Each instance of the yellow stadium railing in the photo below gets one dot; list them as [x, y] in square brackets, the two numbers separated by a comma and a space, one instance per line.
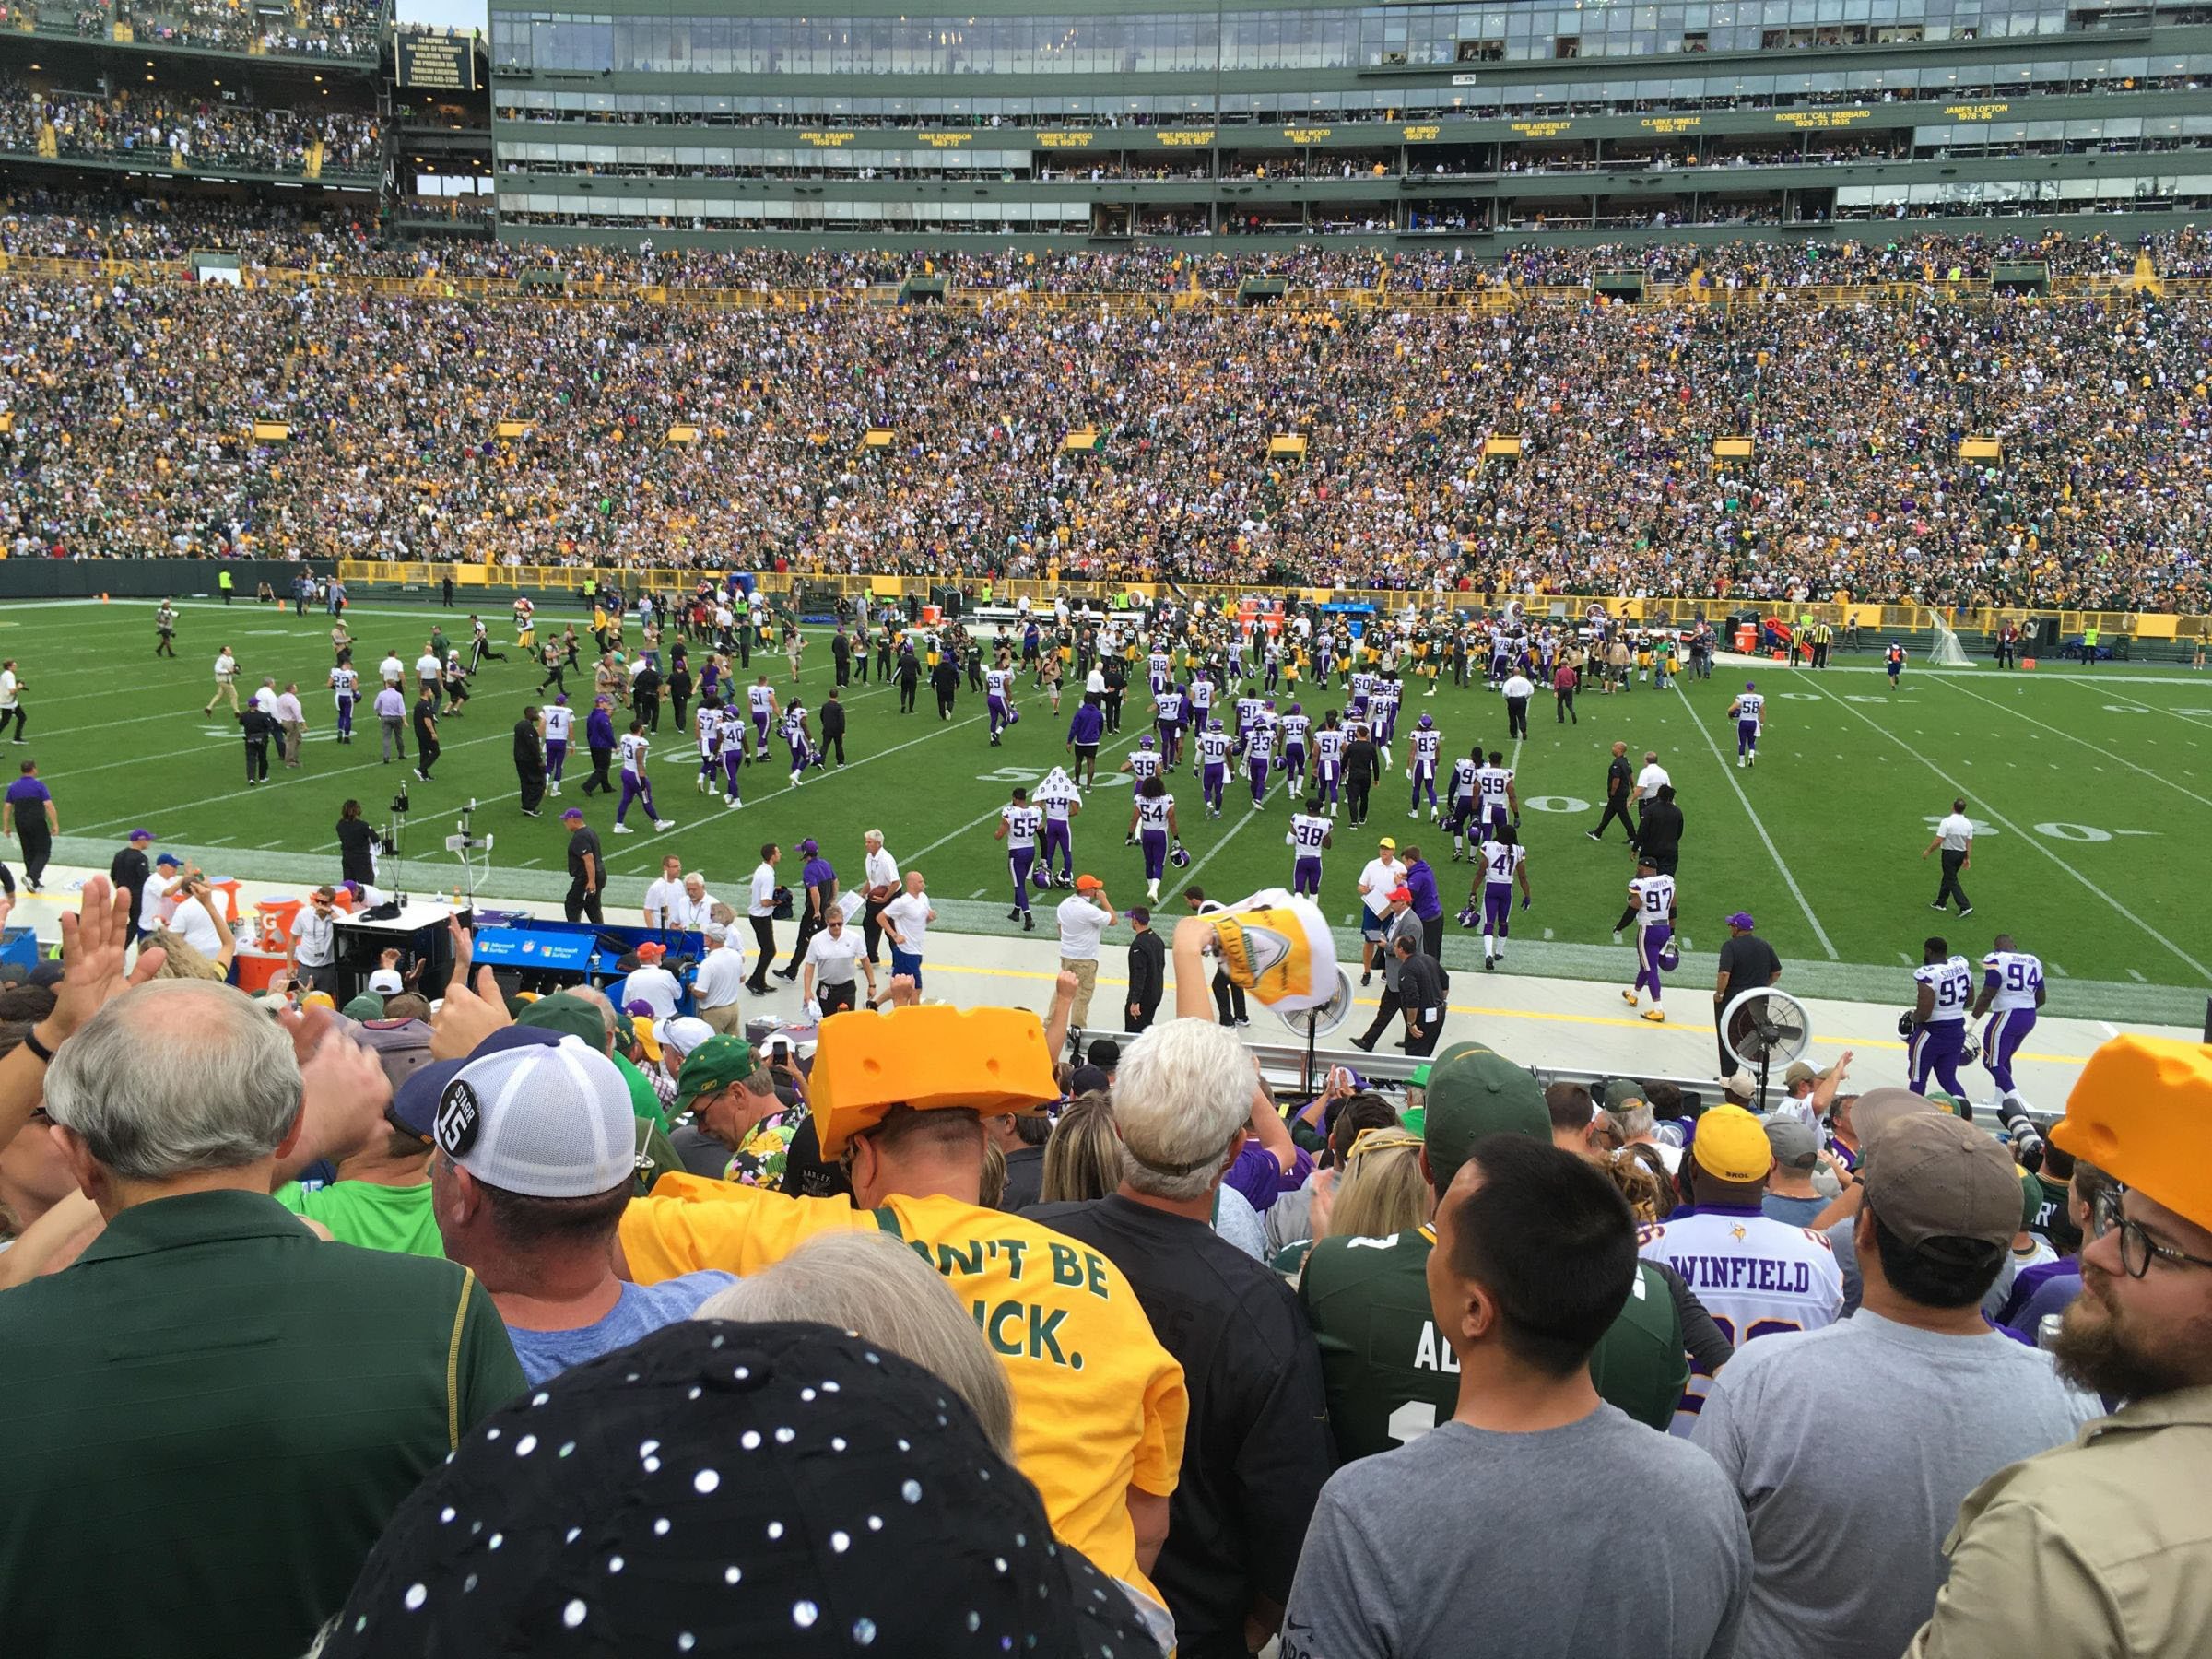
[1837, 612]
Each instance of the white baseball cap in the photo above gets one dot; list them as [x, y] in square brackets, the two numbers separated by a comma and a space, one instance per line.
[685, 1033]
[385, 981]
[544, 1120]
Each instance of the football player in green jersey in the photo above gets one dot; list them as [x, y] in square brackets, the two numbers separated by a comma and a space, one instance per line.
[1391, 1375]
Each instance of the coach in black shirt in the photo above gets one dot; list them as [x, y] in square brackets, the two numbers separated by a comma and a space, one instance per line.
[530, 760]
[1147, 971]
[1256, 1449]
[130, 872]
[1360, 765]
[1747, 963]
[1619, 781]
[832, 716]
[1662, 837]
[945, 680]
[587, 870]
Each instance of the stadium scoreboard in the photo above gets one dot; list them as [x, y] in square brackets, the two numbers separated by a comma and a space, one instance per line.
[441, 62]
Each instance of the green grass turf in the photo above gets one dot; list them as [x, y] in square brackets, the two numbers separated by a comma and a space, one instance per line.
[2092, 788]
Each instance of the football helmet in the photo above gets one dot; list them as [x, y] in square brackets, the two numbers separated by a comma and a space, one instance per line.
[1177, 857]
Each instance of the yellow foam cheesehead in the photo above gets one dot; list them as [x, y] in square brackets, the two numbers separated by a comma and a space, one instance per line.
[2139, 1112]
[991, 1060]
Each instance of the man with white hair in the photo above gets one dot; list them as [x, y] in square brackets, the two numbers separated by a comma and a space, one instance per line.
[717, 982]
[878, 887]
[166, 1367]
[1257, 1451]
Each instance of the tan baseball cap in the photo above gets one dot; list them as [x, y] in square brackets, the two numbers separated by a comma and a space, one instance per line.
[1934, 1176]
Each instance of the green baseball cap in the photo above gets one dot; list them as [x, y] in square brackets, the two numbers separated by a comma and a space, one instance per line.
[714, 1064]
[567, 1016]
[1473, 1093]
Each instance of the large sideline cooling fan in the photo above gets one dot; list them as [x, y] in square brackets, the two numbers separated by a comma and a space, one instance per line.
[1764, 1027]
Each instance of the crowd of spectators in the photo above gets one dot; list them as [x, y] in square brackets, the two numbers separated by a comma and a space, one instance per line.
[405, 1325]
[158, 125]
[1856, 411]
[320, 28]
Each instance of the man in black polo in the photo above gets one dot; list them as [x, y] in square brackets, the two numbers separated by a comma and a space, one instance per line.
[1256, 1449]
[1747, 963]
[1661, 840]
[1620, 780]
[587, 870]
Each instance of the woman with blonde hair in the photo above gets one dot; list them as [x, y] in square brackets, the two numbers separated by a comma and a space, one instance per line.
[1382, 1189]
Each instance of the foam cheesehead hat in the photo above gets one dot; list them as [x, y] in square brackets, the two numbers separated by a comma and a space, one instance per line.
[1472, 1092]
[2139, 1111]
[991, 1061]
[1278, 947]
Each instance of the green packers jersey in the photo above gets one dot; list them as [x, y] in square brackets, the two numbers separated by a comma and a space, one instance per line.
[1391, 1375]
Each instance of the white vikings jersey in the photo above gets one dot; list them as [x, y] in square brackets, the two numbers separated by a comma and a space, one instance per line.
[1202, 695]
[1307, 832]
[1757, 1277]
[1654, 899]
[1295, 728]
[1145, 763]
[560, 720]
[794, 723]
[1463, 780]
[733, 733]
[633, 747]
[1953, 983]
[1021, 825]
[1170, 708]
[1248, 710]
[1152, 811]
[1328, 745]
[997, 681]
[1259, 741]
[1213, 748]
[707, 723]
[1057, 803]
[1501, 862]
[2015, 976]
[1426, 747]
[1491, 783]
[1749, 705]
[761, 700]
[346, 683]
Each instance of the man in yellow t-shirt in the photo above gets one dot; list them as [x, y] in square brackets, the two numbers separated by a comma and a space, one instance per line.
[1099, 1405]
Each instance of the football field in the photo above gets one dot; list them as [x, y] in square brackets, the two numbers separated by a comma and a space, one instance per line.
[2091, 791]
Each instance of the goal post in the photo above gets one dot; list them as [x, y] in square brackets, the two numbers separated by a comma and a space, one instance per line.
[1946, 652]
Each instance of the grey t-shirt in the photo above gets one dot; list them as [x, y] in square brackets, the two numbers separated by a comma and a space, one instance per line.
[1467, 1540]
[1851, 1449]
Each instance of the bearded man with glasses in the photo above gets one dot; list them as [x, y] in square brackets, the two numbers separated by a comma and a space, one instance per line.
[2104, 1547]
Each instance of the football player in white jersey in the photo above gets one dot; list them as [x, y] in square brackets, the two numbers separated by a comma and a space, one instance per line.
[1018, 822]
[636, 785]
[1427, 748]
[558, 722]
[346, 681]
[1747, 710]
[1503, 862]
[1756, 1276]
[799, 738]
[1328, 762]
[1152, 827]
[1459, 815]
[1309, 837]
[1499, 801]
[1936, 1028]
[707, 722]
[760, 701]
[1652, 903]
[2011, 994]
[731, 749]
[1144, 760]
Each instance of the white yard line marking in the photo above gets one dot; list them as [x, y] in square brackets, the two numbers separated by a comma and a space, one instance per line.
[2069, 737]
[2136, 702]
[1190, 876]
[1773, 852]
[2034, 842]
